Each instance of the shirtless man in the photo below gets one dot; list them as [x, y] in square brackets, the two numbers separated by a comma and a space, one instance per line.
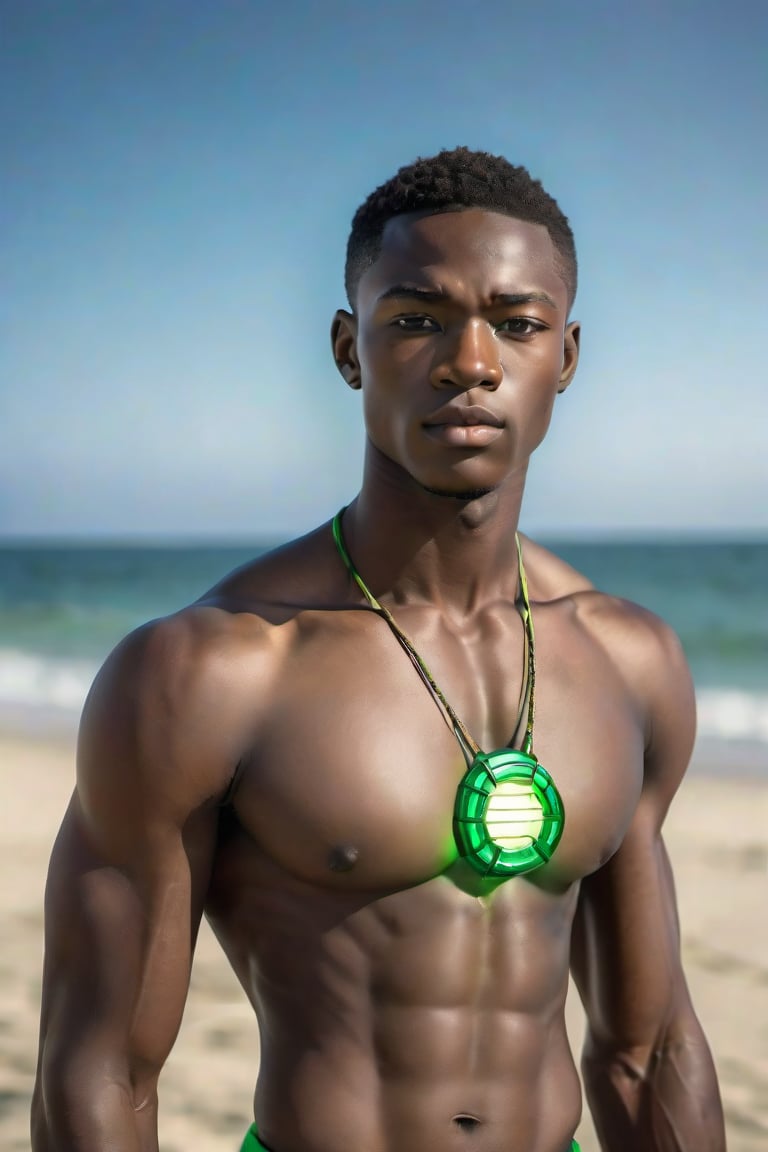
[274, 757]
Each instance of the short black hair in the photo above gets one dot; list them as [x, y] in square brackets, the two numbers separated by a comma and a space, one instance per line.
[450, 181]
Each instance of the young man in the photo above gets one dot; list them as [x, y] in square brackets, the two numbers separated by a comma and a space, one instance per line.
[409, 773]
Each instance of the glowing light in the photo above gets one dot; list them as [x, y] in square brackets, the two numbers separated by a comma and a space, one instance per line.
[514, 816]
[508, 817]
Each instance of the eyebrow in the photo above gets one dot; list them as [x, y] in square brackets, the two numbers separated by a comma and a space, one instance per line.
[411, 292]
[434, 295]
[511, 299]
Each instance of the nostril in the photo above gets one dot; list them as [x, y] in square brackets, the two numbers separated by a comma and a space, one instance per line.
[465, 385]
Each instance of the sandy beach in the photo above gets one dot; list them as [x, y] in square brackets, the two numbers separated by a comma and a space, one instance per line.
[716, 835]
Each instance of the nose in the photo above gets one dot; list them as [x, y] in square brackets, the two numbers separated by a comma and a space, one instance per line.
[469, 358]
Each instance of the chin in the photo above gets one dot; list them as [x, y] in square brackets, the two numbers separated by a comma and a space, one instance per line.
[464, 494]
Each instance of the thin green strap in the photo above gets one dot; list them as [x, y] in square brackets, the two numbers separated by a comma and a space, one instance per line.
[527, 616]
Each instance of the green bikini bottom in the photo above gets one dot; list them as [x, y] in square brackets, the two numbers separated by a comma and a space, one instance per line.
[253, 1144]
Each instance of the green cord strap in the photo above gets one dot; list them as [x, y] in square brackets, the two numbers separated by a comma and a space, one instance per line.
[527, 615]
[529, 674]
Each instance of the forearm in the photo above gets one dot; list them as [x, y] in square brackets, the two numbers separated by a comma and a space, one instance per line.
[79, 1106]
[118, 957]
[664, 1100]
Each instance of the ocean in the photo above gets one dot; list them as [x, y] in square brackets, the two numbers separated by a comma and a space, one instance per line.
[64, 606]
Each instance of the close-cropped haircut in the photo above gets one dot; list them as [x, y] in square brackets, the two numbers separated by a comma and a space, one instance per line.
[450, 181]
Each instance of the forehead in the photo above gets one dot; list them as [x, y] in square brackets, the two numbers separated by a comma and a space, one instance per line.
[471, 249]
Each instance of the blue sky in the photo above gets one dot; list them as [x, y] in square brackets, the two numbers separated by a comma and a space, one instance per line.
[178, 180]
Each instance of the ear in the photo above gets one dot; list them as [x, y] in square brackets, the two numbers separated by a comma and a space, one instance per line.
[344, 345]
[570, 354]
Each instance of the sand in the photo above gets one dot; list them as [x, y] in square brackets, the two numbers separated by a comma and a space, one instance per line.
[716, 835]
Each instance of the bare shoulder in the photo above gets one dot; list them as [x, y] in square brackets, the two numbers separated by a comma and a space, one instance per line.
[178, 703]
[644, 651]
[160, 726]
[299, 576]
[640, 643]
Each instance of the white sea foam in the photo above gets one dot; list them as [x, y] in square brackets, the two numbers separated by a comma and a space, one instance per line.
[30, 680]
[733, 714]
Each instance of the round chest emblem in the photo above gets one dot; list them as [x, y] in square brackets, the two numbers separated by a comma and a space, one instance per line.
[508, 817]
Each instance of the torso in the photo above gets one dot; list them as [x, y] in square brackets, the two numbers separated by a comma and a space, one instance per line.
[401, 996]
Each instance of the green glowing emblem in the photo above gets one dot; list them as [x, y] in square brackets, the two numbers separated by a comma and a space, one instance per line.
[508, 817]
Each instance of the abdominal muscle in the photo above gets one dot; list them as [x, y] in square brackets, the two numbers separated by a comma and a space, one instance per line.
[424, 1019]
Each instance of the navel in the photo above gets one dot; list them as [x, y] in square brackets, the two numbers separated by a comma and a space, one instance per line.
[343, 857]
[466, 1122]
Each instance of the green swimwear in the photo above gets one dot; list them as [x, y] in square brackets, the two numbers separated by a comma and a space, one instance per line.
[253, 1144]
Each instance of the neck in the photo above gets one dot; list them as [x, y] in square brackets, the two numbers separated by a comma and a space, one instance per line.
[410, 544]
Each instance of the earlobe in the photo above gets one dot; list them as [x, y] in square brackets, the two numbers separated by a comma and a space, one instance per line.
[570, 355]
[344, 347]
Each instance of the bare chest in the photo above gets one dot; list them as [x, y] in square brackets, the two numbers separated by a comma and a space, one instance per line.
[354, 777]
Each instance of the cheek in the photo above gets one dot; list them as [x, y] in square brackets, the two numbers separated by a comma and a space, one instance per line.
[533, 389]
[383, 415]
[395, 382]
[538, 418]
[535, 378]
[387, 360]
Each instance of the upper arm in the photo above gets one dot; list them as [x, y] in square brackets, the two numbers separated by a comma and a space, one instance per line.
[129, 873]
[626, 945]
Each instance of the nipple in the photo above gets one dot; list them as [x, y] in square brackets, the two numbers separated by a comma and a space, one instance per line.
[342, 857]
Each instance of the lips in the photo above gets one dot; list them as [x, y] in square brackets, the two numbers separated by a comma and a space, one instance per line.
[468, 428]
[469, 416]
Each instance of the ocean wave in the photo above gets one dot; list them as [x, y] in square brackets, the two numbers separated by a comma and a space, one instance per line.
[33, 680]
[732, 714]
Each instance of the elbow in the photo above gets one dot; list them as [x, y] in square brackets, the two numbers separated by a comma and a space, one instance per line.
[668, 1088]
[679, 1053]
[54, 1099]
[65, 1094]
[634, 1050]
[634, 1060]
[625, 1062]
[59, 1107]
[39, 1131]
[80, 1101]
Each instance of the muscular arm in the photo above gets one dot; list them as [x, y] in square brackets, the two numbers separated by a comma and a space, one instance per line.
[648, 1071]
[124, 897]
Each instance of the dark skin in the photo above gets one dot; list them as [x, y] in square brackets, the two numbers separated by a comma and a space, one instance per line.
[405, 1004]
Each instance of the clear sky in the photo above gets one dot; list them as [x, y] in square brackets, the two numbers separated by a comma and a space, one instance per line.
[177, 183]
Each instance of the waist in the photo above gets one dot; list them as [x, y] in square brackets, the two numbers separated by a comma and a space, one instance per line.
[251, 1143]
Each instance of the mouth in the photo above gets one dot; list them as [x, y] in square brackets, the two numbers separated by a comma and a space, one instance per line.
[471, 416]
[470, 427]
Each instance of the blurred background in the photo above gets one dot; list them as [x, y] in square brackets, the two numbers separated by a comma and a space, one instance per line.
[177, 180]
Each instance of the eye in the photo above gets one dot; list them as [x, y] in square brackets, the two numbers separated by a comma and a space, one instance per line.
[416, 323]
[520, 326]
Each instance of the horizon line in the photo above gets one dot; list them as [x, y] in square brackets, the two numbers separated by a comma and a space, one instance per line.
[570, 535]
